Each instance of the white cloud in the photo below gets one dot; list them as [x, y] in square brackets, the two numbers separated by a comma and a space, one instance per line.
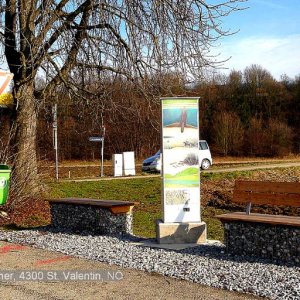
[279, 55]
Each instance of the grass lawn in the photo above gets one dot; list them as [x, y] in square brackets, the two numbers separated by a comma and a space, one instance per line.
[146, 191]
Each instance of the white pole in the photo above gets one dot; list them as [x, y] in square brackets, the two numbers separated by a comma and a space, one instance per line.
[101, 172]
[102, 151]
[55, 139]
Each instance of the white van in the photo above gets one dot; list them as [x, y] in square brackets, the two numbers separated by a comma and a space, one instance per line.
[205, 158]
[153, 163]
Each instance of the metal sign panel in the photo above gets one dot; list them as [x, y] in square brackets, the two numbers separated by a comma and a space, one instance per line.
[96, 139]
[180, 155]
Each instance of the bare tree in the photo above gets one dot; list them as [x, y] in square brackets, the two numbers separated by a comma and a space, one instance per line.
[128, 38]
[228, 133]
[279, 136]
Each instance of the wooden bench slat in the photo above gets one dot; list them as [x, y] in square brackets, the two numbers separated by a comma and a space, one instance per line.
[261, 218]
[266, 198]
[115, 206]
[268, 186]
[96, 202]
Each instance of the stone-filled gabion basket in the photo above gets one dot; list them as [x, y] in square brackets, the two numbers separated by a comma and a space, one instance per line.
[95, 220]
[276, 242]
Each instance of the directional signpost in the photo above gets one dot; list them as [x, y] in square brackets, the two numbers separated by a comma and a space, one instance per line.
[96, 139]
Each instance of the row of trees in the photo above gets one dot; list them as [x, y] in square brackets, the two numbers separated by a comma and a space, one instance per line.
[260, 138]
[245, 113]
[251, 113]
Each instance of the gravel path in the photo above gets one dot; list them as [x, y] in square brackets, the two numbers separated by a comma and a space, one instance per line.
[205, 264]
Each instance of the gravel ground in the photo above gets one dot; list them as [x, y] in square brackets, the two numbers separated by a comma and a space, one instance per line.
[205, 264]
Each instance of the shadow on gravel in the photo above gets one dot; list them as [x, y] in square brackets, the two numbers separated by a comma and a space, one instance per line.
[219, 252]
[211, 251]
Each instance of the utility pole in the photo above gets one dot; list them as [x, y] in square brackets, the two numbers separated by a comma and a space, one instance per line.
[55, 144]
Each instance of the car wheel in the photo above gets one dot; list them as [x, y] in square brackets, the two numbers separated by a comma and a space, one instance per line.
[205, 164]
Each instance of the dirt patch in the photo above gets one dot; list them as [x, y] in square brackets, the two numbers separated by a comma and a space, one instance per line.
[237, 160]
[29, 213]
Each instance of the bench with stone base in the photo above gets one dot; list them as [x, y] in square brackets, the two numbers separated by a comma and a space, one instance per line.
[274, 237]
[92, 215]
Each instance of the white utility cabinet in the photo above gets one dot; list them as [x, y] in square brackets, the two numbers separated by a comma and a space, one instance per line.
[128, 163]
[118, 164]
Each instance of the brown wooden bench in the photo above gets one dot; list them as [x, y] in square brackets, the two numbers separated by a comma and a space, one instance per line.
[264, 235]
[92, 215]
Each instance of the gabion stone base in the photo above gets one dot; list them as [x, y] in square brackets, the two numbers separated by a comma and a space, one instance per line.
[90, 218]
[276, 242]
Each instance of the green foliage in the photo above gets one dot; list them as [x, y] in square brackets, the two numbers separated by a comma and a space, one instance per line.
[215, 230]
[144, 223]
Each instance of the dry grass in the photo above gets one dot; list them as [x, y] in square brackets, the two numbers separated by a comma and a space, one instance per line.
[91, 169]
[242, 160]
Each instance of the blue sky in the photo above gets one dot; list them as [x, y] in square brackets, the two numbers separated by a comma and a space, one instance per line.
[269, 35]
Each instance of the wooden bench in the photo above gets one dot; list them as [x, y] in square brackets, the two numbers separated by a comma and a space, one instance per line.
[92, 215]
[264, 235]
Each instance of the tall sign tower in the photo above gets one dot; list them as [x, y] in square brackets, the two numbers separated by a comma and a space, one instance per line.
[181, 221]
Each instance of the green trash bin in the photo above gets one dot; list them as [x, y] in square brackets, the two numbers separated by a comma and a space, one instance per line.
[4, 183]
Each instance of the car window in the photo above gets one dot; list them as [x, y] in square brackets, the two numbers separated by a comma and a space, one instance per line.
[203, 146]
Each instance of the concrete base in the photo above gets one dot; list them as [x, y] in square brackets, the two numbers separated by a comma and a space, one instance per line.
[180, 233]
